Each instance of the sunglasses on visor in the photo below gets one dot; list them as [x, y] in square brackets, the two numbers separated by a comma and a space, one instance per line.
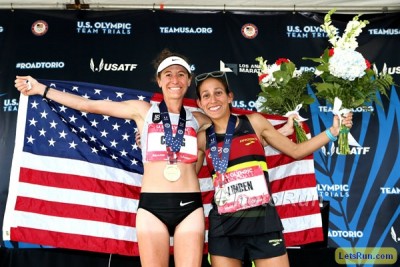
[214, 74]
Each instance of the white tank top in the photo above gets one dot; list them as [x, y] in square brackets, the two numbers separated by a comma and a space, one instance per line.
[153, 139]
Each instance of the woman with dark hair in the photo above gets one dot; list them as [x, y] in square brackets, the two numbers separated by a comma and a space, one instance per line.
[170, 202]
[243, 222]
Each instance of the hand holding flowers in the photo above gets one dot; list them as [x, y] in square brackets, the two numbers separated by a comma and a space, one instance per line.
[346, 76]
[283, 91]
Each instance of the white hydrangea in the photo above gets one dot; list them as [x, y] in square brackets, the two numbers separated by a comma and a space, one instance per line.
[347, 64]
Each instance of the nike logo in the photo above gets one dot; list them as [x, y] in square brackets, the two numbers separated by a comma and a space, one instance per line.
[182, 204]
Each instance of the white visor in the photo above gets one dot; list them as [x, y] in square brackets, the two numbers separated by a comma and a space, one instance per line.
[174, 60]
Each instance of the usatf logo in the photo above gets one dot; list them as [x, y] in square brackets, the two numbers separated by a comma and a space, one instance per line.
[249, 31]
[111, 66]
[354, 150]
[39, 27]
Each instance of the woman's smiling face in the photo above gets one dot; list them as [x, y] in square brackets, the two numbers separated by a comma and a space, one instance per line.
[213, 98]
[174, 81]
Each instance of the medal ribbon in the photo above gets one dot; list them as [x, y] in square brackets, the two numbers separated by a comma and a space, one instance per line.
[173, 143]
[221, 163]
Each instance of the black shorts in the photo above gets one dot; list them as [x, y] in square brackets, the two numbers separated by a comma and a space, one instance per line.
[170, 208]
[253, 247]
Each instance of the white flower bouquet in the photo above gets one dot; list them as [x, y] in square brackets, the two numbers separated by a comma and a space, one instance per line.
[283, 91]
[345, 74]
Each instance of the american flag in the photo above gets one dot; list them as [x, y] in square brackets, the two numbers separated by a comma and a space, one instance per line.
[76, 177]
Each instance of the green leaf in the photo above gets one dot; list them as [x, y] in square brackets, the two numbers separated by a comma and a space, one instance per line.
[358, 103]
[306, 99]
[317, 59]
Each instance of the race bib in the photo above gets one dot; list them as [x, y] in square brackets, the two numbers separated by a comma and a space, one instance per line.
[241, 189]
[156, 147]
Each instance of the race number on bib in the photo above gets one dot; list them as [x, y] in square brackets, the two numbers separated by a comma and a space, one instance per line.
[241, 189]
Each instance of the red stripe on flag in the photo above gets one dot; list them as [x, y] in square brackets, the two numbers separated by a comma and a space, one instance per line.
[293, 182]
[74, 241]
[298, 209]
[75, 211]
[281, 159]
[207, 197]
[304, 237]
[204, 172]
[207, 223]
[76, 182]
